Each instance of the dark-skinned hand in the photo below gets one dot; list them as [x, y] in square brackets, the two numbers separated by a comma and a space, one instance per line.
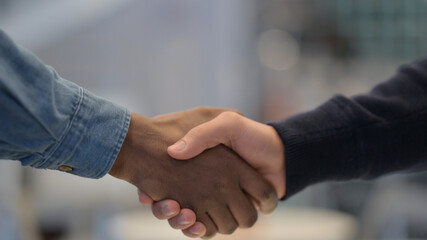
[217, 184]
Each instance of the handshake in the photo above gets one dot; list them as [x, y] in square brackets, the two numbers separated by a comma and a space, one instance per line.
[206, 170]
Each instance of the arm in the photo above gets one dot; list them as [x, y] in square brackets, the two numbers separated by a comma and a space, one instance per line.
[49, 122]
[365, 136]
[362, 137]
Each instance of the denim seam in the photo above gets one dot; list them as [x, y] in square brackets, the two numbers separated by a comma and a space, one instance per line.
[67, 131]
[118, 145]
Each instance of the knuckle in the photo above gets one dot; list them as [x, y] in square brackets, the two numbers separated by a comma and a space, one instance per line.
[238, 112]
[268, 193]
[229, 229]
[250, 220]
[264, 195]
[173, 224]
[231, 110]
[156, 211]
[269, 202]
[230, 116]
[201, 108]
[193, 133]
[209, 234]
[204, 110]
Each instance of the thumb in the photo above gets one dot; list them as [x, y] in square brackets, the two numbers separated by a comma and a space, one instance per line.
[205, 136]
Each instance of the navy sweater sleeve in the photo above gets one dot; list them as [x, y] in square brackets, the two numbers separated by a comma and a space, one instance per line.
[361, 137]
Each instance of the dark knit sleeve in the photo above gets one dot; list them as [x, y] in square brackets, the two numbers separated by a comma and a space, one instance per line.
[361, 137]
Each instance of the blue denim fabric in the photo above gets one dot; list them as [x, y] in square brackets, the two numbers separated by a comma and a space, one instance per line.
[47, 121]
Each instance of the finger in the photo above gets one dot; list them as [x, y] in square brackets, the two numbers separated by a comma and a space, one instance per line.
[185, 219]
[196, 231]
[209, 112]
[260, 190]
[255, 204]
[243, 210]
[213, 111]
[144, 198]
[210, 226]
[207, 135]
[165, 209]
[224, 220]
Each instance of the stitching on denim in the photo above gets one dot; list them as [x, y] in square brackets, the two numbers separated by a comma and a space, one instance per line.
[59, 143]
[117, 147]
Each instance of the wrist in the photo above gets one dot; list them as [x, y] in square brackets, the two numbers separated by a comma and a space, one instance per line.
[279, 158]
[262, 147]
[133, 136]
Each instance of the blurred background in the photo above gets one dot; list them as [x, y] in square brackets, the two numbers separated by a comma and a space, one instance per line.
[269, 59]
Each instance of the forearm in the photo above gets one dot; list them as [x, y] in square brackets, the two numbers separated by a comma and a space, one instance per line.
[365, 136]
[48, 122]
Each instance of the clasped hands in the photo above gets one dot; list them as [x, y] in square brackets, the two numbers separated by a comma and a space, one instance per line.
[206, 170]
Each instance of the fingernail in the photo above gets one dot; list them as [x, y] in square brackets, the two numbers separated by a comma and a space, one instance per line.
[179, 146]
[182, 220]
[195, 230]
[267, 206]
[167, 211]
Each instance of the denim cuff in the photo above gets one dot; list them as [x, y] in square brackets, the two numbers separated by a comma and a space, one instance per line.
[92, 140]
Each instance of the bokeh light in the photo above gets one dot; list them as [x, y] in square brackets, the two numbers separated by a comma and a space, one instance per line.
[278, 50]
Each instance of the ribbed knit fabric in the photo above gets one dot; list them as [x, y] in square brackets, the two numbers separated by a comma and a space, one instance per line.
[360, 137]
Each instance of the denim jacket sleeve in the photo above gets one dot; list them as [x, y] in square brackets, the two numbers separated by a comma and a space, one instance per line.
[48, 122]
